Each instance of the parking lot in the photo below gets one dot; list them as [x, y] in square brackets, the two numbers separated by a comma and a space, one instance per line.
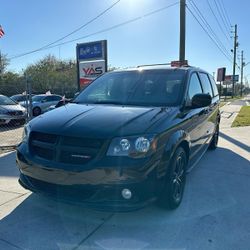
[215, 213]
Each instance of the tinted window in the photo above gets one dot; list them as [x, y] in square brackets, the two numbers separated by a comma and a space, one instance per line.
[214, 86]
[18, 98]
[37, 98]
[54, 98]
[142, 88]
[194, 86]
[206, 85]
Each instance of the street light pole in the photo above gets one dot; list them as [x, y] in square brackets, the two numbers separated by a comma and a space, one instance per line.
[182, 30]
[234, 59]
[242, 67]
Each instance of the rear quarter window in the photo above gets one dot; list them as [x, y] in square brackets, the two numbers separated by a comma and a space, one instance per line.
[214, 86]
[206, 85]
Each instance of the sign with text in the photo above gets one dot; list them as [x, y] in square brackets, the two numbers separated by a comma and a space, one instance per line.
[90, 70]
[93, 50]
[91, 61]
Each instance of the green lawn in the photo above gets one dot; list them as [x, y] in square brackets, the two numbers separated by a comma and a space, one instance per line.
[243, 118]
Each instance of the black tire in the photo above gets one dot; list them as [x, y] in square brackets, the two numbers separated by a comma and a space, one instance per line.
[172, 193]
[36, 111]
[214, 142]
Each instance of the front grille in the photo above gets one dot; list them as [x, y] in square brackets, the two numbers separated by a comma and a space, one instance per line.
[14, 113]
[64, 149]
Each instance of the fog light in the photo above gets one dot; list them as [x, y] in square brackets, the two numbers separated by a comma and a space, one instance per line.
[126, 194]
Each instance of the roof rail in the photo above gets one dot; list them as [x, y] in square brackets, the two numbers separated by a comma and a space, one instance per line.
[157, 64]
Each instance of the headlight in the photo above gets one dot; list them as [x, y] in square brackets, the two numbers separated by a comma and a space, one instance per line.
[26, 133]
[133, 146]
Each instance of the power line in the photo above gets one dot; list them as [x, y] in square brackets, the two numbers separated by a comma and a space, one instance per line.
[100, 31]
[209, 28]
[221, 15]
[209, 34]
[226, 23]
[217, 20]
[226, 14]
[79, 28]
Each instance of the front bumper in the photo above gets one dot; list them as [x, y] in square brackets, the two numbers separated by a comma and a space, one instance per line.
[11, 119]
[100, 188]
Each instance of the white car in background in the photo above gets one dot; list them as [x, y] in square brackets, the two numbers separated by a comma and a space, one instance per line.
[11, 113]
[42, 103]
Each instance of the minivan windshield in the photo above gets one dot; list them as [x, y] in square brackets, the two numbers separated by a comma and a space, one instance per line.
[136, 87]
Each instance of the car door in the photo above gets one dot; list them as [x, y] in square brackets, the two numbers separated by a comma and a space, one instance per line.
[196, 117]
[47, 102]
[56, 99]
[212, 110]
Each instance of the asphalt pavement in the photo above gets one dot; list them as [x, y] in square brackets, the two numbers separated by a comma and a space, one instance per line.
[215, 212]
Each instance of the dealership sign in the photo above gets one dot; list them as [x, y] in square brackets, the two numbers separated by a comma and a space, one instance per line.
[90, 70]
[91, 61]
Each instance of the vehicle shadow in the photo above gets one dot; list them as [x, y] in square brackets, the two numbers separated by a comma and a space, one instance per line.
[217, 189]
[8, 165]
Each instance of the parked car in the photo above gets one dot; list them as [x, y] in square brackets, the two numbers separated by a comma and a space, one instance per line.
[11, 112]
[128, 139]
[41, 103]
[62, 102]
[19, 98]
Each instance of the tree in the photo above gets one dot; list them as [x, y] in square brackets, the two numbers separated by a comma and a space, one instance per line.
[4, 62]
[52, 74]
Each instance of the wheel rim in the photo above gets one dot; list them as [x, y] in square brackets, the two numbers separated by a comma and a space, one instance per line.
[36, 111]
[178, 177]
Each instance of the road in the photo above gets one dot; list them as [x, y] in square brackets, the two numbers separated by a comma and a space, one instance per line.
[215, 213]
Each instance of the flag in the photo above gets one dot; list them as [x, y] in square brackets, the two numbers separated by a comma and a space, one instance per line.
[1, 31]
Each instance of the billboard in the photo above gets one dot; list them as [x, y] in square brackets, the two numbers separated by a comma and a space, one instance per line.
[90, 70]
[221, 73]
[230, 78]
[91, 61]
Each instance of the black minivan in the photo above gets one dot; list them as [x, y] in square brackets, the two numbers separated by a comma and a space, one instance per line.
[126, 140]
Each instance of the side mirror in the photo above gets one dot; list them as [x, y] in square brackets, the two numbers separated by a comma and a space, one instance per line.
[201, 100]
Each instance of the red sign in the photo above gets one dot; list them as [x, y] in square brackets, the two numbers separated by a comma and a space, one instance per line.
[221, 73]
[85, 81]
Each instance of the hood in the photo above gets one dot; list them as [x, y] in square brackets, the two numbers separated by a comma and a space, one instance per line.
[102, 121]
[15, 107]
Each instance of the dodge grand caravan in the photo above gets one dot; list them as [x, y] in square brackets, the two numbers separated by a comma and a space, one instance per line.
[127, 139]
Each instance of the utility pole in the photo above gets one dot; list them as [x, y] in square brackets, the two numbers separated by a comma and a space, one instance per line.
[241, 75]
[234, 59]
[182, 30]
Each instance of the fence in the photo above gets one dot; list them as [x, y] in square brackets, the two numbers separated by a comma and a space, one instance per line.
[13, 116]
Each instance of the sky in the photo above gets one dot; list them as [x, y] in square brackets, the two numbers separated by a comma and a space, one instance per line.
[151, 39]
